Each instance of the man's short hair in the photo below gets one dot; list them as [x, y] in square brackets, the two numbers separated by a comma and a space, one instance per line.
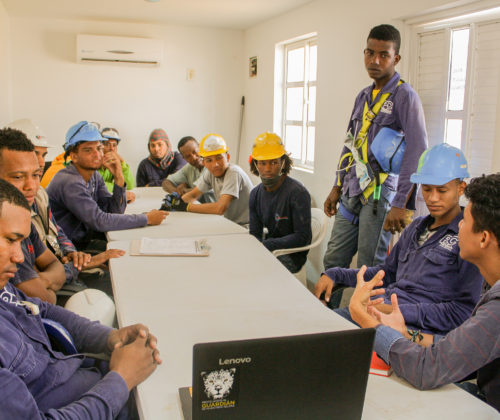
[10, 194]
[287, 167]
[484, 195]
[184, 140]
[12, 139]
[386, 33]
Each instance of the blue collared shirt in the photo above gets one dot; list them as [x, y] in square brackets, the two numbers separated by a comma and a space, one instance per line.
[30, 370]
[80, 207]
[437, 290]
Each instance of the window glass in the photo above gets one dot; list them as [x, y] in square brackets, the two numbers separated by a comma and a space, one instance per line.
[295, 62]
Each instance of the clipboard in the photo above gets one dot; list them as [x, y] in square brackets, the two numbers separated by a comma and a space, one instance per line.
[177, 247]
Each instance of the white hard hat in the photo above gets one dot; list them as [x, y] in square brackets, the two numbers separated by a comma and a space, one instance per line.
[31, 131]
[93, 304]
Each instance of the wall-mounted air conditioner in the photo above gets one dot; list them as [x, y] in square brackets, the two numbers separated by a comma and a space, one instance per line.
[98, 48]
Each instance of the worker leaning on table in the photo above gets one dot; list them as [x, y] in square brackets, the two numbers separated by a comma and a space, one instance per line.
[231, 185]
[81, 204]
[39, 382]
[472, 347]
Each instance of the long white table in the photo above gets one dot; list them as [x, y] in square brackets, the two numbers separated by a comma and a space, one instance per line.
[182, 224]
[240, 291]
[147, 198]
[176, 224]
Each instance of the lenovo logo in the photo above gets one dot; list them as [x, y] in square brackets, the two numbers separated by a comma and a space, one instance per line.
[236, 361]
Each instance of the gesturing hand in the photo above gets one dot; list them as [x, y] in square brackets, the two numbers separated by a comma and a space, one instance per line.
[361, 298]
[395, 319]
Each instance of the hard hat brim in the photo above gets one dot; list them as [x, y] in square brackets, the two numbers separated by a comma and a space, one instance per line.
[429, 179]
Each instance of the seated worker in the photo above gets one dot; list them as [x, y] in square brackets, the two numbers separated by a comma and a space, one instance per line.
[436, 287]
[428, 361]
[280, 203]
[22, 170]
[183, 180]
[38, 381]
[230, 183]
[20, 167]
[41, 274]
[160, 163]
[110, 144]
[82, 205]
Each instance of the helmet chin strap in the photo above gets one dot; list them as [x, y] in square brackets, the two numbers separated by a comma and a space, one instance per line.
[270, 182]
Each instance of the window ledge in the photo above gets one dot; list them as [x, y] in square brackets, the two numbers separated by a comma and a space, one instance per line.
[306, 169]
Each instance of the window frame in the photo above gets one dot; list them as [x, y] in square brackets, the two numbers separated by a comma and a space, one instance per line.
[281, 89]
[448, 21]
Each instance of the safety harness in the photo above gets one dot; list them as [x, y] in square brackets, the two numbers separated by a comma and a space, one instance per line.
[370, 180]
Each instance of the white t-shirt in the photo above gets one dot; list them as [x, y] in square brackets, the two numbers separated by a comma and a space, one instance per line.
[236, 183]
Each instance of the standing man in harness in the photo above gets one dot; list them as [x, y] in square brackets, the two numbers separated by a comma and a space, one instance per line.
[386, 136]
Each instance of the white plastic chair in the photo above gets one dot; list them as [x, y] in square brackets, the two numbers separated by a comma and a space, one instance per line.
[319, 224]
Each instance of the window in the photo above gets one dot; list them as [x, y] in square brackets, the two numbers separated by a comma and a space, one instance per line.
[458, 80]
[295, 101]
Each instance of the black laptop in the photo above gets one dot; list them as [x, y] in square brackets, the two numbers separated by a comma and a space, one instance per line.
[313, 376]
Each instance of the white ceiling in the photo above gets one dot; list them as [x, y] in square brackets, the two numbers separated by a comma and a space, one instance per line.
[230, 14]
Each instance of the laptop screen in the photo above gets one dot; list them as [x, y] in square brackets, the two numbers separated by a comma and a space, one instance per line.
[313, 376]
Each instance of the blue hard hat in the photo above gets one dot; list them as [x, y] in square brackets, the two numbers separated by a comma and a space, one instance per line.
[82, 131]
[388, 147]
[439, 165]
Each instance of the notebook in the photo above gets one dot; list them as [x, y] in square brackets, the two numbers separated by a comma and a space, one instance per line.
[313, 376]
[177, 247]
[379, 367]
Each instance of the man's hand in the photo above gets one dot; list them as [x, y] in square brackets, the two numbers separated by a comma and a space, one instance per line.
[111, 161]
[155, 217]
[127, 335]
[361, 298]
[324, 285]
[80, 259]
[135, 361]
[330, 206]
[130, 197]
[101, 258]
[395, 220]
[393, 319]
[385, 308]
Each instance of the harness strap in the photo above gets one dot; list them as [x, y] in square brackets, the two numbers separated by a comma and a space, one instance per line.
[352, 218]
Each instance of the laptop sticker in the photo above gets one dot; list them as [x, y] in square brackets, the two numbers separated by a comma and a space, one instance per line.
[220, 388]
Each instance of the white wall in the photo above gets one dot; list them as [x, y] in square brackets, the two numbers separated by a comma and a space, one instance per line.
[5, 87]
[56, 92]
[342, 29]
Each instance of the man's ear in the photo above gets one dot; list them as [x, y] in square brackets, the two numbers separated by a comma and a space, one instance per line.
[461, 188]
[397, 59]
[488, 239]
[228, 156]
[485, 239]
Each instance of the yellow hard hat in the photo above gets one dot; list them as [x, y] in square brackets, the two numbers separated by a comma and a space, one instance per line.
[212, 144]
[268, 146]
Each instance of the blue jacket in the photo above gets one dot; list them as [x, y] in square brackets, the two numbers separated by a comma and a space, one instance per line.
[437, 290]
[30, 370]
[402, 112]
[80, 207]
